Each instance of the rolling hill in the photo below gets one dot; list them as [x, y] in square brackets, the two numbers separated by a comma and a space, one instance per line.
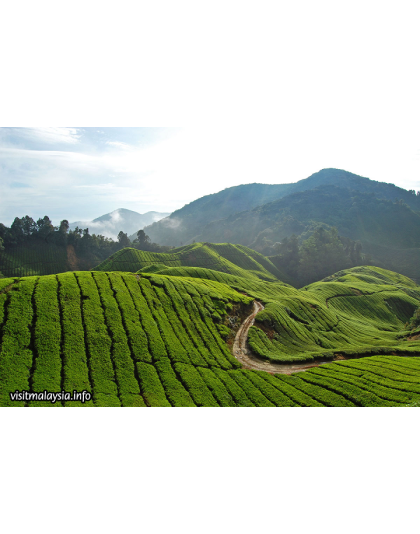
[163, 339]
[232, 259]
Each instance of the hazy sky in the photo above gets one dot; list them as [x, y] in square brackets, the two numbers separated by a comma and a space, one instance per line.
[267, 95]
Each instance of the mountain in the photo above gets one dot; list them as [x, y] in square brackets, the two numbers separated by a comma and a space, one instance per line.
[348, 180]
[389, 231]
[118, 220]
[186, 224]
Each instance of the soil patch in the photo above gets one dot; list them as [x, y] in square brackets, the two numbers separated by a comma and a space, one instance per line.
[72, 258]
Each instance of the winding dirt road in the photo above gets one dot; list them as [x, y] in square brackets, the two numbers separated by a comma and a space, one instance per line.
[244, 355]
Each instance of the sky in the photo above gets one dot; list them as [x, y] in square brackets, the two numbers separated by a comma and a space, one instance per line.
[267, 96]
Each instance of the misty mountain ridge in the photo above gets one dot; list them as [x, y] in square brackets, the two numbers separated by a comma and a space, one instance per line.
[187, 224]
[121, 219]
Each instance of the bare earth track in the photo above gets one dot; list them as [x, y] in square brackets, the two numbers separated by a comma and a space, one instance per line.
[244, 355]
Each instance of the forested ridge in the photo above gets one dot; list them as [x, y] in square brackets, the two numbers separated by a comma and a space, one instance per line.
[30, 248]
[190, 222]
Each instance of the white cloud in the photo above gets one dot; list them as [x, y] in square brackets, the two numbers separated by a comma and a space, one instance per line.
[119, 144]
[49, 135]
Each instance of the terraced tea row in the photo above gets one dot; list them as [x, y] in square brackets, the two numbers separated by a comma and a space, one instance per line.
[155, 340]
[348, 316]
[231, 259]
[77, 331]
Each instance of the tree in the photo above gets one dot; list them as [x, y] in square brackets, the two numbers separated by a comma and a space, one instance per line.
[28, 226]
[61, 234]
[288, 252]
[45, 227]
[321, 255]
[64, 226]
[142, 240]
[123, 240]
[16, 230]
[4, 233]
[1, 245]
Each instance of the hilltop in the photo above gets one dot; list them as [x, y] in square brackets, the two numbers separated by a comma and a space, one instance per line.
[232, 259]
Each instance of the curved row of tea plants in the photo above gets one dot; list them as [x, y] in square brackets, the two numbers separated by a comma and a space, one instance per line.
[154, 340]
[360, 311]
[226, 258]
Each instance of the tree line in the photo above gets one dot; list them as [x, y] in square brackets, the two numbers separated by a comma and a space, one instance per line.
[322, 254]
[26, 230]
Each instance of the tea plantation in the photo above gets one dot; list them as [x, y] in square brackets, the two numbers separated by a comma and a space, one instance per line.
[223, 257]
[32, 259]
[158, 337]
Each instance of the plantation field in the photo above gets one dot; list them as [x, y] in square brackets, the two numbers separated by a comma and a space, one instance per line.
[226, 258]
[359, 311]
[33, 259]
[153, 339]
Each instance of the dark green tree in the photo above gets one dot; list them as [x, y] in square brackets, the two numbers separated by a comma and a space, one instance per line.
[28, 226]
[45, 229]
[142, 240]
[16, 231]
[123, 240]
[321, 255]
[61, 234]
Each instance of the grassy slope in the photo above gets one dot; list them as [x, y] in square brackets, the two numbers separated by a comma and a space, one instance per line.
[151, 339]
[231, 259]
[358, 311]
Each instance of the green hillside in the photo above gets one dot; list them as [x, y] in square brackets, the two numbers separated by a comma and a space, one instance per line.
[355, 215]
[152, 339]
[189, 222]
[389, 231]
[324, 319]
[224, 257]
[184, 225]
[354, 182]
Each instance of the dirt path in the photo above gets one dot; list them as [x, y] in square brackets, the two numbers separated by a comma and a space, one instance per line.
[244, 355]
[72, 258]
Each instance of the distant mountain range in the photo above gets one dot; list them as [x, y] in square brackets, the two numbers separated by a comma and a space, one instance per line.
[187, 224]
[383, 217]
[118, 220]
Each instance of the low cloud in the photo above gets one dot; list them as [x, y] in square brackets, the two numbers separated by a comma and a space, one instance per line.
[171, 222]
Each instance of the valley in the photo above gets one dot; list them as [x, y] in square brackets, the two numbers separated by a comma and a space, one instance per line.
[287, 300]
